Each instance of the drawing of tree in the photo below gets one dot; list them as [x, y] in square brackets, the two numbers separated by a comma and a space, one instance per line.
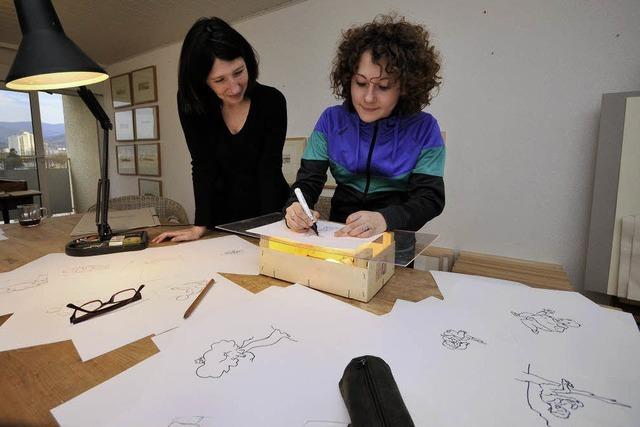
[226, 354]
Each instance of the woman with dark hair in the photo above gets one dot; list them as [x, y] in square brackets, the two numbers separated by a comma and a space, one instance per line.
[386, 155]
[234, 127]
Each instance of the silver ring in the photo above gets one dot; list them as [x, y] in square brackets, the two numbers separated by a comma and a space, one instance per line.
[366, 228]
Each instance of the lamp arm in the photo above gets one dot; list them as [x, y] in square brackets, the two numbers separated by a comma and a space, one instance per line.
[102, 199]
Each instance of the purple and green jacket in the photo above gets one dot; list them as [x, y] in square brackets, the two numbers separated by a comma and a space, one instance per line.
[393, 166]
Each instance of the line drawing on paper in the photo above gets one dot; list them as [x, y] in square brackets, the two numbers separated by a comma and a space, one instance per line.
[544, 321]
[60, 311]
[233, 252]
[192, 421]
[226, 354]
[187, 290]
[550, 398]
[86, 269]
[162, 260]
[458, 340]
[41, 279]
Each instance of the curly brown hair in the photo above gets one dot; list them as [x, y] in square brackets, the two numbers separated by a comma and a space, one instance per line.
[411, 59]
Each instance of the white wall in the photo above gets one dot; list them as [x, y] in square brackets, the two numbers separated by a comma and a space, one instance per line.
[520, 105]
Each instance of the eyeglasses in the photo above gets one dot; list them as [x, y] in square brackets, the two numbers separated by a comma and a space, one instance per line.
[95, 308]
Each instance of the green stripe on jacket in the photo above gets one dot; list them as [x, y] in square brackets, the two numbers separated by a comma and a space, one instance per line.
[316, 148]
[431, 162]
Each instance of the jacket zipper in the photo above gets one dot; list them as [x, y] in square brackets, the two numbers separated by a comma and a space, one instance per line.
[373, 143]
[373, 391]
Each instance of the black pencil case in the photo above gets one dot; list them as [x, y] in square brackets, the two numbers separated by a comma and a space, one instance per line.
[372, 395]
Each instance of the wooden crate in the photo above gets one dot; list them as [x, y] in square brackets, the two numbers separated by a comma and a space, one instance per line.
[358, 276]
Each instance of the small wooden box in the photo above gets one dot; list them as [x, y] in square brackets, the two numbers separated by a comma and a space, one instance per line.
[357, 275]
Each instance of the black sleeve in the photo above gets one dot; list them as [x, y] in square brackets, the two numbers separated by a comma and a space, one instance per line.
[310, 180]
[273, 187]
[201, 172]
[426, 201]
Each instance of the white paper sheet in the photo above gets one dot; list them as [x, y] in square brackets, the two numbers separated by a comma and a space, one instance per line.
[326, 229]
[298, 365]
[467, 360]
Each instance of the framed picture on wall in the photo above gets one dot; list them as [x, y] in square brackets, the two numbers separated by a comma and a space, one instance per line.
[147, 126]
[291, 156]
[148, 159]
[143, 82]
[126, 159]
[149, 187]
[121, 90]
[124, 126]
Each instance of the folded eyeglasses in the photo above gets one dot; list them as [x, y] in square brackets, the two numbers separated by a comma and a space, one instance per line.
[94, 308]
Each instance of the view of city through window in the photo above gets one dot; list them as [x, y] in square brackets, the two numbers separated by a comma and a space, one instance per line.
[19, 149]
[17, 146]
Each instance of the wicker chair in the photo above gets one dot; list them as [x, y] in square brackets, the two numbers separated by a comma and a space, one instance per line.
[169, 211]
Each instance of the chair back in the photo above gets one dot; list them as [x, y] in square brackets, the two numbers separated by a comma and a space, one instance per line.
[168, 210]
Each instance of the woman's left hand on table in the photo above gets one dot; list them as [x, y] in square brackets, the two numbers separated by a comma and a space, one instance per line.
[363, 224]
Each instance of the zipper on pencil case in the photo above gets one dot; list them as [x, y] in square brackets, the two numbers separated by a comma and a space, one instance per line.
[373, 391]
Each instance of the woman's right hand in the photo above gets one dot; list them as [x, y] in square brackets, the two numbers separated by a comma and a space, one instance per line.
[193, 233]
[297, 220]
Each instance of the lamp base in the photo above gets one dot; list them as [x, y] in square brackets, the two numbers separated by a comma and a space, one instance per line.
[88, 246]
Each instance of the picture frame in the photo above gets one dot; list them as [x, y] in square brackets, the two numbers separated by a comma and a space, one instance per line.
[147, 126]
[121, 91]
[124, 126]
[291, 156]
[149, 187]
[126, 159]
[143, 85]
[148, 159]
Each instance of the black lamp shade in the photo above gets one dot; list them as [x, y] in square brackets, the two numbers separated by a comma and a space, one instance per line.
[47, 58]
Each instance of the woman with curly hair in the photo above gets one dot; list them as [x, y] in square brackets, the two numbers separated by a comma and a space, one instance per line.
[386, 155]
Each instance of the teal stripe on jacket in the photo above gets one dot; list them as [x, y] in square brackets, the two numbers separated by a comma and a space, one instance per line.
[316, 148]
[376, 183]
[431, 162]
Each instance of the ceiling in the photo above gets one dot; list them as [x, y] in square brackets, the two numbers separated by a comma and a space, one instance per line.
[110, 31]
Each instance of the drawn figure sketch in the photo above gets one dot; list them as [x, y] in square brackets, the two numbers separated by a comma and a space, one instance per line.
[544, 321]
[458, 340]
[186, 291]
[225, 354]
[551, 399]
[193, 421]
[40, 280]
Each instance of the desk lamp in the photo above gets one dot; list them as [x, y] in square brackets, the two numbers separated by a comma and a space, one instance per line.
[48, 59]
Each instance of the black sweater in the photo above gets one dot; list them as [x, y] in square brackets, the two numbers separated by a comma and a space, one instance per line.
[239, 176]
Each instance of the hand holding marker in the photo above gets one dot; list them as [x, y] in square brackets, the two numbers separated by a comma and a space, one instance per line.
[305, 207]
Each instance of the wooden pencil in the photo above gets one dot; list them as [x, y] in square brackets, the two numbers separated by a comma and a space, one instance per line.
[196, 302]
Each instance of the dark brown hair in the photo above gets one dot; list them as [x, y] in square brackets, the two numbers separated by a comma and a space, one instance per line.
[411, 58]
[208, 39]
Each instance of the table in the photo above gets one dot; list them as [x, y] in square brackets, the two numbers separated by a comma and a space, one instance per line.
[33, 380]
[532, 273]
[11, 200]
